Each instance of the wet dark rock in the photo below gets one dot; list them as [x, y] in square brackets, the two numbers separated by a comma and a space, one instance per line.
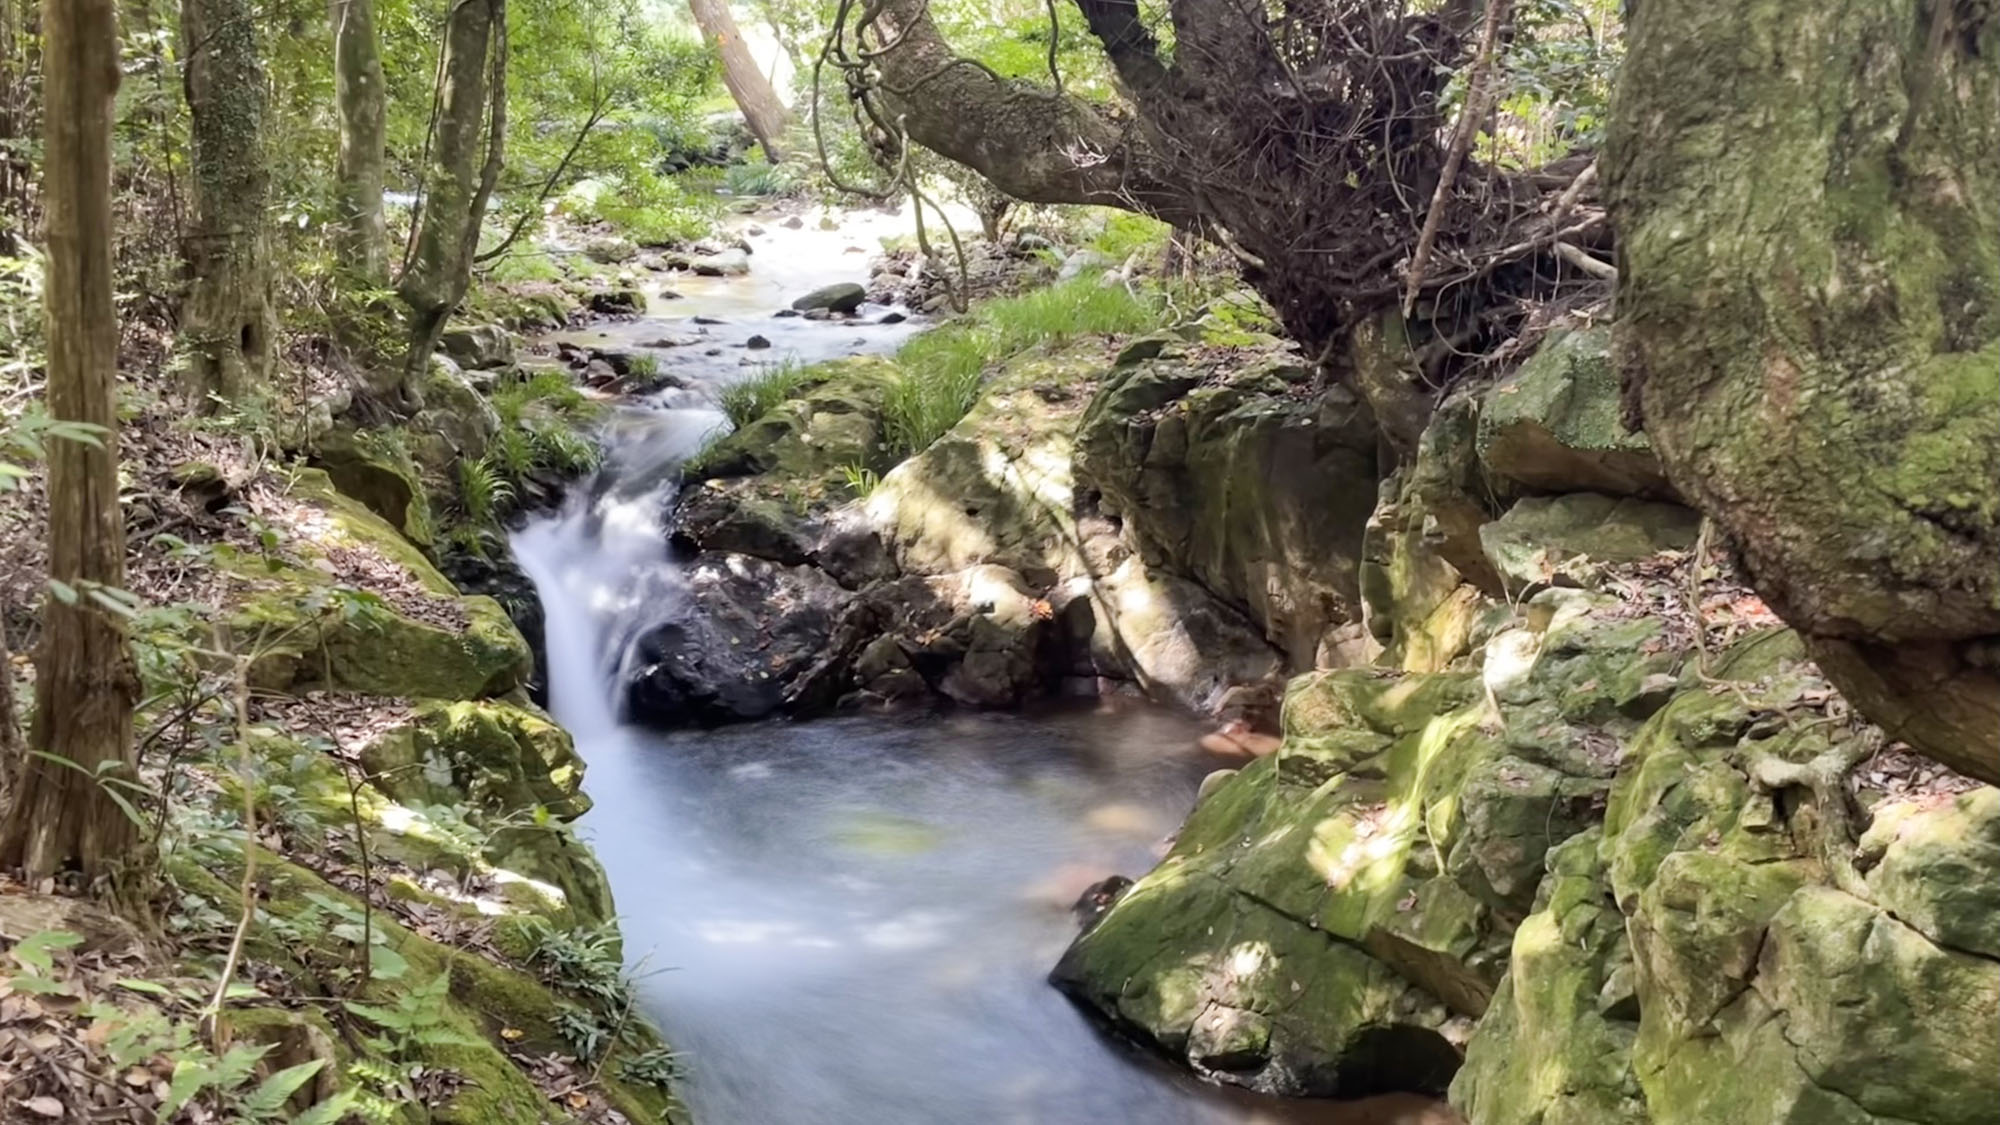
[782, 313]
[892, 318]
[712, 351]
[618, 302]
[818, 314]
[840, 297]
[709, 320]
[757, 342]
[1098, 898]
[498, 576]
[748, 641]
[793, 223]
[599, 373]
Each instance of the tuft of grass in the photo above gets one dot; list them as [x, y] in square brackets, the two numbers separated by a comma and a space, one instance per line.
[941, 371]
[759, 178]
[860, 479]
[749, 399]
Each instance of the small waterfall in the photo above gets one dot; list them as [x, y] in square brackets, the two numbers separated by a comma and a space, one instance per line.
[855, 916]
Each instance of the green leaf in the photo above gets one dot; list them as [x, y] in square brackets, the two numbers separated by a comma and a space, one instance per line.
[33, 951]
[271, 1094]
[385, 963]
[151, 988]
[63, 591]
[386, 1018]
[40, 986]
[328, 1112]
[190, 1077]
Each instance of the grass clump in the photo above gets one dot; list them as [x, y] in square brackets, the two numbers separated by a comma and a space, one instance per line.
[750, 399]
[941, 371]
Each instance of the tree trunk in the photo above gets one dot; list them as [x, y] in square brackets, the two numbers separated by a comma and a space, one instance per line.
[1808, 310]
[472, 113]
[84, 687]
[767, 115]
[229, 324]
[360, 101]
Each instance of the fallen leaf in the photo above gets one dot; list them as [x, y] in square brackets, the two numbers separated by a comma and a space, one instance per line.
[511, 1034]
[44, 1106]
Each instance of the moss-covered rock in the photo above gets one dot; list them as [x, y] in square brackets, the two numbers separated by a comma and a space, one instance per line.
[375, 468]
[1544, 539]
[831, 422]
[480, 1021]
[1555, 425]
[1243, 479]
[1555, 1047]
[341, 600]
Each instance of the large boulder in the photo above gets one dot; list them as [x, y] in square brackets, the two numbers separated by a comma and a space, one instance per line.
[840, 297]
[747, 636]
[1555, 1046]
[344, 602]
[375, 467]
[1556, 424]
[1546, 539]
[1808, 314]
[1765, 991]
[478, 346]
[1244, 479]
[1364, 884]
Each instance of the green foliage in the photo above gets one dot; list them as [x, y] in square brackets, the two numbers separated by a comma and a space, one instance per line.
[415, 1021]
[860, 480]
[659, 1068]
[484, 492]
[941, 370]
[225, 1085]
[644, 206]
[759, 178]
[749, 399]
[1125, 234]
[583, 962]
[1558, 68]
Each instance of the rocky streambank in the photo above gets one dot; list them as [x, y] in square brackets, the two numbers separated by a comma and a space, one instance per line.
[1563, 820]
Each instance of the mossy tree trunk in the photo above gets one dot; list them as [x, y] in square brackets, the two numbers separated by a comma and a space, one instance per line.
[61, 814]
[466, 151]
[1807, 194]
[361, 104]
[229, 325]
[766, 114]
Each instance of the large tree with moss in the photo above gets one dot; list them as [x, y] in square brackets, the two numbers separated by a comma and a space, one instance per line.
[1808, 204]
[229, 324]
[1808, 207]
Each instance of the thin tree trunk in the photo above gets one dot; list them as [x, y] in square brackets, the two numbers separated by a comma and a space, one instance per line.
[472, 113]
[767, 115]
[360, 100]
[84, 688]
[229, 324]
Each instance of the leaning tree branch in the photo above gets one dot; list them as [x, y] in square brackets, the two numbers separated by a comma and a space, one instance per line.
[1478, 89]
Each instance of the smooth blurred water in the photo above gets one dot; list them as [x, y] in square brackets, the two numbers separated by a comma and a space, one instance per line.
[849, 921]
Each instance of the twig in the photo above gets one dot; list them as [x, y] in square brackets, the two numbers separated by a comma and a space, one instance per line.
[1476, 89]
[1592, 266]
[235, 957]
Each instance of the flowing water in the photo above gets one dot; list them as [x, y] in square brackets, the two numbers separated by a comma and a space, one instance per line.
[846, 921]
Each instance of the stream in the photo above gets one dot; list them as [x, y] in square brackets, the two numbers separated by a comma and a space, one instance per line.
[849, 920]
